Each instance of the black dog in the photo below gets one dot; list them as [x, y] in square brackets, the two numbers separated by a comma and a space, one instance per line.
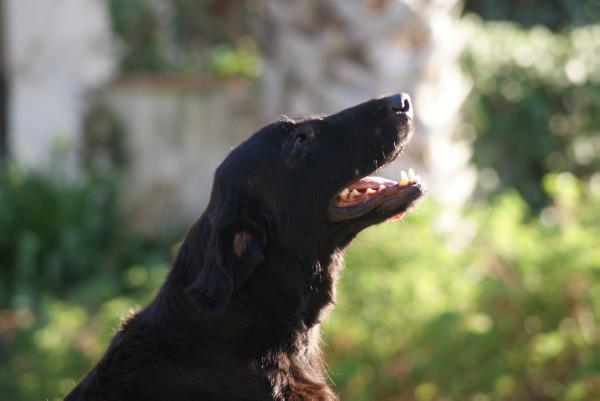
[239, 314]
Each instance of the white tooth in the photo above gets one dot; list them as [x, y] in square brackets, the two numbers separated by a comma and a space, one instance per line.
[381, 187]
[411, 174]
[417, 178]
[403, 179]
[370, 191]
[344, 193]
[354, 193]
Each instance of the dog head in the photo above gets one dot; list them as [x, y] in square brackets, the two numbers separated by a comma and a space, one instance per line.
[307, 184]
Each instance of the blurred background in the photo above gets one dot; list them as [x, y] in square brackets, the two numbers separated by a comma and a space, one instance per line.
[115, 113]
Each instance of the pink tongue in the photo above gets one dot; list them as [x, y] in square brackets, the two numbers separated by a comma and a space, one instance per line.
[397, 216]
[371, 182]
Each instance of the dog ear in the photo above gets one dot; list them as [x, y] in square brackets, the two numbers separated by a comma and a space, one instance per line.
[235, 248]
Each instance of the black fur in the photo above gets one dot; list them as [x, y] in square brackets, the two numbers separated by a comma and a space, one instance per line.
[238, 316]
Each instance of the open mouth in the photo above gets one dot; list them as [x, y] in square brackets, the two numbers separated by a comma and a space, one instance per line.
[377, 197]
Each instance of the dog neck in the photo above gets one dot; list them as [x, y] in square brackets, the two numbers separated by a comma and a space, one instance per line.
[272, 320]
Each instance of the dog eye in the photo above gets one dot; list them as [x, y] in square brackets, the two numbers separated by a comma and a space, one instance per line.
[300, 138]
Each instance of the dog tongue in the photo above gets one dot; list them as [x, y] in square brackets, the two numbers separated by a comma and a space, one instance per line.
[397, 216]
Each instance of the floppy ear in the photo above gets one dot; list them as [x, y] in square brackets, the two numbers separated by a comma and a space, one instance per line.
[235, 248]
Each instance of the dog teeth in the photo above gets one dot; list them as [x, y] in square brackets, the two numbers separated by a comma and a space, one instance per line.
[348, 195]
[355, 194]
[410, 178]
[403, 179]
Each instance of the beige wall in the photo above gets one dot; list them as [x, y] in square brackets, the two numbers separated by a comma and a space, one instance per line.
[176, 136]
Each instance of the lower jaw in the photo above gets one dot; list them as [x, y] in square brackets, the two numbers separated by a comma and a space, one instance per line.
[391, 205]
[377, 197]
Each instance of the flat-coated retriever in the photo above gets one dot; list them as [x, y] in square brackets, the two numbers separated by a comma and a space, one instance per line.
[238, 316]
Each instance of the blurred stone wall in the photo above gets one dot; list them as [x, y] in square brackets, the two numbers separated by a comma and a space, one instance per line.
[177, 133]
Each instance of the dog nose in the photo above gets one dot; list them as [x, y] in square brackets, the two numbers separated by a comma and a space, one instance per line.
[400, 103]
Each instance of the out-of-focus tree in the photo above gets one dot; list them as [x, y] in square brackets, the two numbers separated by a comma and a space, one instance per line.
[554, 14]
[535, 106]
[185, 36]
[135, 24]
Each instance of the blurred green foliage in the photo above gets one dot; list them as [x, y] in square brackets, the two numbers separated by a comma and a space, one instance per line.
[535, 105]
[487, 306]
[554, 14]
[185, 37]
[56, 233]
[491, 306]
[137, 26]
[64, 248]
[46, 349]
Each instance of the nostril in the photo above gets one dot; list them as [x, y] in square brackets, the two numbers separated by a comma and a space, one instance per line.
[400, 103]
[405, 105]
